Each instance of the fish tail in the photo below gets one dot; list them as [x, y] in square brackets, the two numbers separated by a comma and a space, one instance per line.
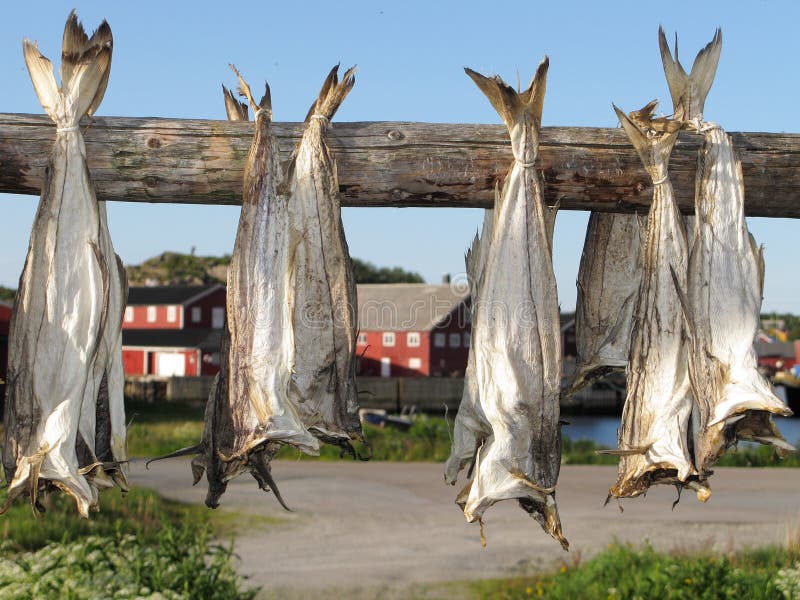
[85, 67]
[689, 91]
[514, 106]
[262, 108]
[333, 93]
[235, 109]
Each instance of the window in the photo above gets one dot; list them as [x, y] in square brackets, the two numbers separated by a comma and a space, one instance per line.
[218, 317]
[128, 314]
[197, 314]
[439, 340]
[467, 338]
[362, 339]
[412, 339]
[172, 314]
[414, 363]
[151, 314]
[388, 338]
[455, 340]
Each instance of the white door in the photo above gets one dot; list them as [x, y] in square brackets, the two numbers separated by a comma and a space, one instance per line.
[218, 317]
[170, 364]
[386, 367]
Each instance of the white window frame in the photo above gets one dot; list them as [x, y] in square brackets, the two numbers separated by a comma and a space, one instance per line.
[129, 314]
[412, 339]
[388, 338]
[415, 363]
[151, 314]
[172, 314]
[362, 339]
[454, 340]
[197, 314]
[439, 340]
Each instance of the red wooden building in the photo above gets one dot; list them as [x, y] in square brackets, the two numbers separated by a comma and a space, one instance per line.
[173, 330]
[413, 329]
[777, 356]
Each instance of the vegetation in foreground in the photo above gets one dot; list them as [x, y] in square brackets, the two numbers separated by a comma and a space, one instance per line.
[140, 546]
[623, 571]
[160, 429]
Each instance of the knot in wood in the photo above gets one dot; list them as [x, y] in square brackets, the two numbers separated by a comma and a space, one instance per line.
[153, 143]
[395, 135]
[639, 187]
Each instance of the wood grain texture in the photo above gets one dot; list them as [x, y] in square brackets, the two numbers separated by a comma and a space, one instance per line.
[391, 163]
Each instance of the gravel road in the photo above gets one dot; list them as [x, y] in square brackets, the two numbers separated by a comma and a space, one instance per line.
[373, 529]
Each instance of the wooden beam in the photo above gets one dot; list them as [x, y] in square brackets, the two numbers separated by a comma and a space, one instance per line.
[390, 164]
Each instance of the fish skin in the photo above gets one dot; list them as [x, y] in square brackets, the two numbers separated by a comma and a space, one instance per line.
[733, 400]
[67, 315]
[658, 404]
[324, 305]
[471, 427]
[516, 329]
[608, 285]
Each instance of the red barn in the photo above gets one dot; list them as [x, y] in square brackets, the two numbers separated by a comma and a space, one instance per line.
[410, 329]
[776, 356]
[5, 322]
[173, 330]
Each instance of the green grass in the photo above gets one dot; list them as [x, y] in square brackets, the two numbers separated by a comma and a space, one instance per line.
[642, 573]
[164, 428]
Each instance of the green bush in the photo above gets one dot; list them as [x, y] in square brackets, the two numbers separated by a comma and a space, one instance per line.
[180, 564]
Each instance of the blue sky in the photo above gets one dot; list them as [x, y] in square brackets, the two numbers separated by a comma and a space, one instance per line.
[171, 56]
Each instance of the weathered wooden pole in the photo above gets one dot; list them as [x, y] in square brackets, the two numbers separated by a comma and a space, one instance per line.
[390, 163]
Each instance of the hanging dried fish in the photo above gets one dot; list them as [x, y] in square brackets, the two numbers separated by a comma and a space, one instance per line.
[248, 414]
[516, 329]
[655, 420]
[64, 412]
[608, 285]
[732, 401]
[324, 309]
[471, 427]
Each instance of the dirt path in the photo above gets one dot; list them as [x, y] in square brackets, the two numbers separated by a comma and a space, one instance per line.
[371, 529]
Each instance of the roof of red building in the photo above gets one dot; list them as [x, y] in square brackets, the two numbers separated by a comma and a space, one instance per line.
[205, 339]
[169, 294]
[406, 306]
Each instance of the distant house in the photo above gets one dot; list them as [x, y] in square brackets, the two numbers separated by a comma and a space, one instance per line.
[5, 322]
[408, 329]
[173, 330]
[777, 356]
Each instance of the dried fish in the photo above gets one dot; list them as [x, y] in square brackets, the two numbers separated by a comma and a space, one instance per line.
[516, 329]
[732, 401]
[323, 386]
[471, 427]
[608, 285]
[64, 412]
[655, 419]
[248, 414]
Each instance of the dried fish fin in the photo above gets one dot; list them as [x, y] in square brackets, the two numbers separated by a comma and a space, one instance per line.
[40, 70]
[263, 107]
[689, 91]
[333, 93]
[74, 48]
[236, 110]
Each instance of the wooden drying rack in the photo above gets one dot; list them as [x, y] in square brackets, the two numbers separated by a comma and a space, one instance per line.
[391, 163]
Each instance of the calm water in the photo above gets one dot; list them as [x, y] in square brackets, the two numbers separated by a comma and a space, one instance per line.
[603, 430]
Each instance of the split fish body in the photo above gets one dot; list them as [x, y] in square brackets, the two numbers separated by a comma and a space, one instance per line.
[608, 285]
[726, 272]
[516, 330]
[471, 426]
[64, 412]
[655, 419]
[323, 291]
[249, 412]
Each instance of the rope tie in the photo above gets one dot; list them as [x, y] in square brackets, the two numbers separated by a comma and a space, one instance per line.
[323, 118]
[260, 111]
[67, 129]
[523, 164]
[662, 180]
